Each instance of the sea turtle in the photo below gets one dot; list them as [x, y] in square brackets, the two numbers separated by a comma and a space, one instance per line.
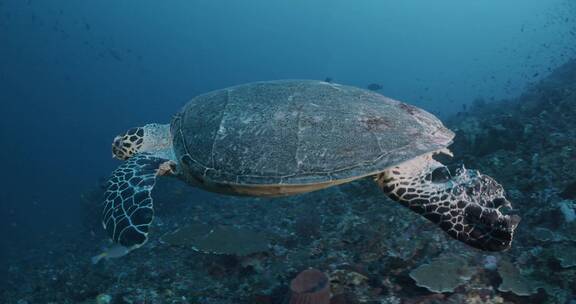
[287, 137]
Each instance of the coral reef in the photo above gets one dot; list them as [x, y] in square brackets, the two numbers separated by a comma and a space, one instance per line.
[310, 286]
[444, 274]
[514, 281]
[218, 239]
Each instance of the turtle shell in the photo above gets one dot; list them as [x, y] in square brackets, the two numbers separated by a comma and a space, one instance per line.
[291, 136]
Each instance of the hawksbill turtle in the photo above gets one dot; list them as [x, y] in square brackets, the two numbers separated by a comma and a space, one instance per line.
[286, 137]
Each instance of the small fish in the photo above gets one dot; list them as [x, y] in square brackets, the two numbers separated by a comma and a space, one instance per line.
[328, 79]
[115, 55]
[116, 251]
[374, 87]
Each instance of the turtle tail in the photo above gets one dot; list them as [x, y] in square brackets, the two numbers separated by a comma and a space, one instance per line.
[128, 206]
[467, 206]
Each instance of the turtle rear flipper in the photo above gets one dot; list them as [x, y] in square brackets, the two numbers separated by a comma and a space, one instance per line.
[467, 205]
[128, 207]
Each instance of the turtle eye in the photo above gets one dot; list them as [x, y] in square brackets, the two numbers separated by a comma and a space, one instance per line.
[120, 148]
[117, 141]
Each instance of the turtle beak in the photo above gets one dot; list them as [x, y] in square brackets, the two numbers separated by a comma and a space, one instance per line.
[116, 145]
[502, 202]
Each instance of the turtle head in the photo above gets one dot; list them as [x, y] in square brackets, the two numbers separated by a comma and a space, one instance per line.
[149, 138]
[126, 145]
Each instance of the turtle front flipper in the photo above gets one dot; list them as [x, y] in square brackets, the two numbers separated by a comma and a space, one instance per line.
[128, 209]
[467, 205]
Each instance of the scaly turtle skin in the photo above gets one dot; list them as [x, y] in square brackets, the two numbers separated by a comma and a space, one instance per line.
[287, 137]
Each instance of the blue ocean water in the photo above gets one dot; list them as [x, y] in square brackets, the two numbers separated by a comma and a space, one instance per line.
[74, 74]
